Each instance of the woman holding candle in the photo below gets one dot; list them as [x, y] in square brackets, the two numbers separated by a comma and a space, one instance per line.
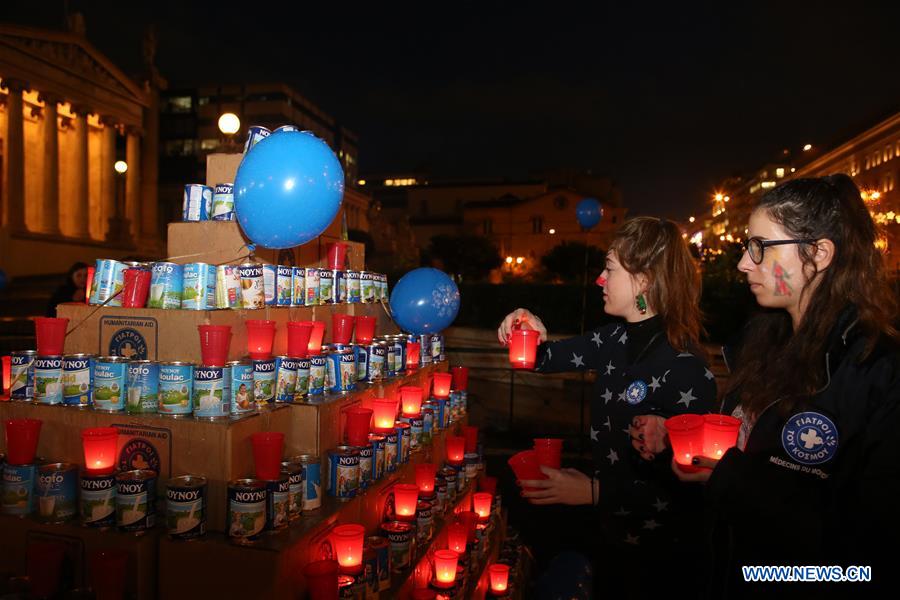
[815, 477]
[647, 362]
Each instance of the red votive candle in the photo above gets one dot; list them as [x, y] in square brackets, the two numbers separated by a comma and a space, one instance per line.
[499, 575]
[6, 362]
[481, 502]
[137, 286]
[315, 339]
[405, 498]
[460, 378]
[441, 384]
[337, 254]
[214, 343]
[365, 329]
[342, 328]
[445, 562]
[720, 432]
[51, 335]
[425, 473]
[455, 446]
[299, 333]
[413, 352]
[686, 438]
[260, 338]
[411, 400]
[457, 536]
[22, 437]
[322, 579]
[471, 434]
[348, 546]
[100, 445]
[385, 413]
[523, 348]
[358, 421]
[268, 448]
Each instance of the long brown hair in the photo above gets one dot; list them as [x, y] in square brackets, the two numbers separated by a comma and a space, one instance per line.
[655, 248]
[776, 362]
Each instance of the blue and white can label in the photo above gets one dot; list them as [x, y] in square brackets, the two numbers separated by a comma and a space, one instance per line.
[375, 358]
[341, 371]
[176, 388]
[109, 280]
[21, 380]
[285, 378]
[317, 374]
[18, 489]
[425, 353]
[186, 507]
[294, 472]
[366, 458]
[57, 492]
[247, 500]
[110, 383]
[98, 501]
[270, 279]
[298, 283]
[48, 380]
[340, 287]
[302, 387]
[136, 500]
[361, 357]
[197, 204]
[343, 470]
[223, 202]
[326, 286]
[354, 293]
[278, 508]
[312, 478]
[366, 287]
[312, 282]
[284, 285]
[242, 388]
[212, 392]
[377, 442]
[400, 359]
[198, 289]
[143, 387]
[166, 280]
[253, 289]
[77, 379]
[255, 134]
[264, 381]
[391, 451]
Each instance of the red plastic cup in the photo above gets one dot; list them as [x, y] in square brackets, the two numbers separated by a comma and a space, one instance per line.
[322, 579]
[488, 484]
[299, 333]
[411, 400]
[406, 498]
[413, 352]
[471, 434]
[315, 339]
[6, 363]
[108, 569]
[686, 439]
[441, 385]
[358, 426]
[22, 437]
[100, 445]
[214, 343]
[720, 432]
[523, 348]
[45, 560]
[457, 536]
[88, 283]
[268, 448]
[549, 451]
[51, 335]
[341, 328]
[499, 576]
[526, 467]
[137, 286]
[460, 378]
[455, 446]
[260, 338]
[347, 541]
[337, 255]
[385, 414]
[425, 475]
[365, 329]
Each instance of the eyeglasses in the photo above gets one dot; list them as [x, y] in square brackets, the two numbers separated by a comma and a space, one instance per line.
[756, 247]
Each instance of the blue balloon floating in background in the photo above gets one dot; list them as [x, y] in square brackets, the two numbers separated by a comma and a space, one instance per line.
[425, 300]
[288, 189]
[589, 212]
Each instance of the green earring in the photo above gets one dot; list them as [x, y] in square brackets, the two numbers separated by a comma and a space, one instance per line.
[641, 304]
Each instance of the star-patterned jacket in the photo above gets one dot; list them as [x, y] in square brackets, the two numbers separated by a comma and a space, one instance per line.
[638, 373]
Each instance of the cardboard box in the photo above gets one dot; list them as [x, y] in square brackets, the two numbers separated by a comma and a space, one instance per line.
[81, 543]
[165, 335]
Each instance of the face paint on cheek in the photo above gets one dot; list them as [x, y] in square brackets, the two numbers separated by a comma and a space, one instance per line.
[782, 277]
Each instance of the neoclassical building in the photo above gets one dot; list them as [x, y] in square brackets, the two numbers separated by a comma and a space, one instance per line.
[67, 115]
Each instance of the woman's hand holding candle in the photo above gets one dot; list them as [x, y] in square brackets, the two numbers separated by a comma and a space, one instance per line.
[562, 486]
[648, 435]
[526, 320]
[702, 476]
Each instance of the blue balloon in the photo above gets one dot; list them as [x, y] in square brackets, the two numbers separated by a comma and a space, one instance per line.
[425, 300]
[288, 189]
[589, 212]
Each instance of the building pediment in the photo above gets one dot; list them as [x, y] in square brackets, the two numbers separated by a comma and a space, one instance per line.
[67, 65]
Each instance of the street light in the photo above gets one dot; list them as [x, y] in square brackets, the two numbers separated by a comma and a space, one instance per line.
[692, 219]
[807, 147]
[552, 231]
[121, 166]
[229, 123]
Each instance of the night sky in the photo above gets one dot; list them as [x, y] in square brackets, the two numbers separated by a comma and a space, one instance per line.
[666, 100]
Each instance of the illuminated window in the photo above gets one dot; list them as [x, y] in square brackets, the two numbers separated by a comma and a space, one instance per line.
[179, 104]
[779, 172]
[767, 184]
[210, 144]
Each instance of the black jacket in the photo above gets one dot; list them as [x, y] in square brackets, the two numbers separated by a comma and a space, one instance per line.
[642, 504]
[819, 485]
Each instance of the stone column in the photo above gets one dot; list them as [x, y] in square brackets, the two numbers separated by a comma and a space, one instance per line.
[150, 169]
[82, 177]
[133, 181]
[50, 201]
[15, 159]
[108, 185]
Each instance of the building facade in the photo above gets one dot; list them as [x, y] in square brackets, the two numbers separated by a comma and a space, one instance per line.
[67, 115]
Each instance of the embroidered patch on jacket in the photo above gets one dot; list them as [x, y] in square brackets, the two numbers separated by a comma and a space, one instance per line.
[636, 392]
[810, 438]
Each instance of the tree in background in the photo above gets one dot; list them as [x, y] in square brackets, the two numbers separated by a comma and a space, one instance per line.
[467, 257]
[565, 262]
[727, 302]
